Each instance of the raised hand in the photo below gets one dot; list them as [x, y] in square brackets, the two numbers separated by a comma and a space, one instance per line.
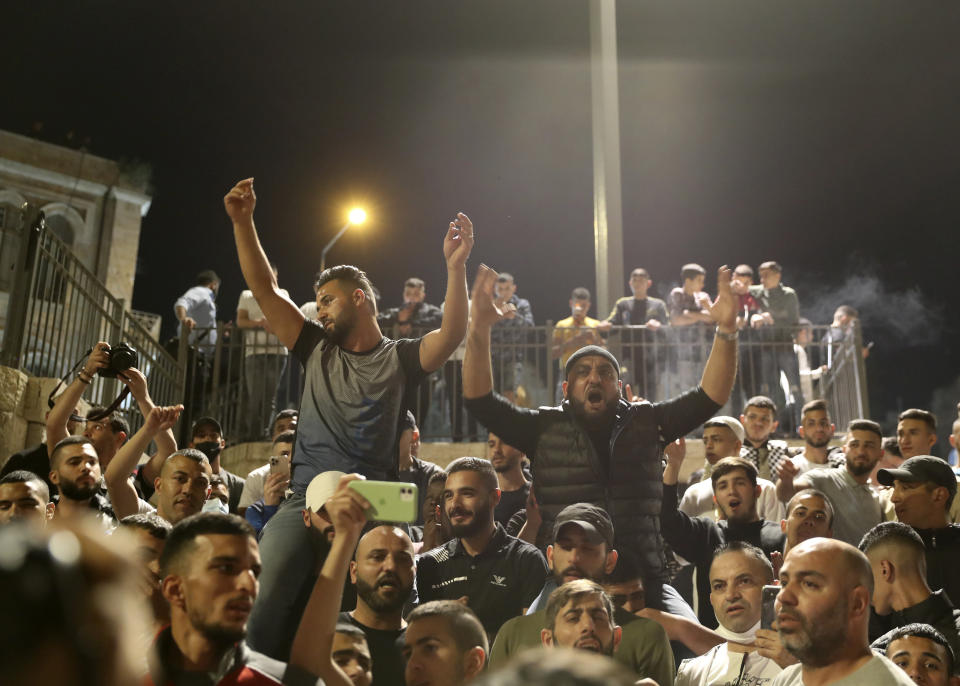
[787, 471]
[458, 242]
[676, 452]
[483, 306]
[99, 359]
[241, 200]
[163, 418]
[724, 309]
[134, 379]
[274, 487]
[769, 645]
[630, 397]
[347, 509]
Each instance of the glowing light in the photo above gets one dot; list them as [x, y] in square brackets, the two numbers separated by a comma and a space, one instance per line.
[357, 215]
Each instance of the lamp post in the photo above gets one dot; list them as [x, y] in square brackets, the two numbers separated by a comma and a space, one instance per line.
[355, 217]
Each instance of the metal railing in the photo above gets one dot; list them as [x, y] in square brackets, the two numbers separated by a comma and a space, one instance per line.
[243, 382]
[57, 310]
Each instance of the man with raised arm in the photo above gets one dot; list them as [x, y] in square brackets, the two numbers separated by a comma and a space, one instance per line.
[597, 447]
[356, 380]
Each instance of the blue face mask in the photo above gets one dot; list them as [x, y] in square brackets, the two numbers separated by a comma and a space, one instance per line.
[215, 505]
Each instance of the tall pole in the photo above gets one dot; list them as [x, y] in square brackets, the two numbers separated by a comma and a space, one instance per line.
[326, 248]
[607, 199]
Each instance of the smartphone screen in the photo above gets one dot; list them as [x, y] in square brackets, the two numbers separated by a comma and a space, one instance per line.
[768, 613]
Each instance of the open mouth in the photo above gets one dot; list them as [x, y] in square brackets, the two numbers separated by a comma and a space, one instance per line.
[591, 644]
[594, 396]
[733, 504]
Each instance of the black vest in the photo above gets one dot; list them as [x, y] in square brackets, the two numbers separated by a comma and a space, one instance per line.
[566, 470]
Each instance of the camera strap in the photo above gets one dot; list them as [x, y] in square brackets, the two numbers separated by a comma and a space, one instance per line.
[96, 415]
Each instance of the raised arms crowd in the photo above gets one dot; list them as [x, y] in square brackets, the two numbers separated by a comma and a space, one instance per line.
[578, 549]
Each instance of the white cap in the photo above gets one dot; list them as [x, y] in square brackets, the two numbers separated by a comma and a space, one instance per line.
[733, 424]
[321, 488]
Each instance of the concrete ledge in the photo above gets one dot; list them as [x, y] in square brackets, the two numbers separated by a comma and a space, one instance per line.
[13, 383]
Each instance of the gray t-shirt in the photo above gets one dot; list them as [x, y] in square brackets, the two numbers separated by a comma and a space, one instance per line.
[877, 672]
[351, 405]
[857, 506]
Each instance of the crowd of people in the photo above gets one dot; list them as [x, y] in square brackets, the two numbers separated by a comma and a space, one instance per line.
[573, 552]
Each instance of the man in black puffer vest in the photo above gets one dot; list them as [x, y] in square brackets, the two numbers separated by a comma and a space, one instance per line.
[596, 447]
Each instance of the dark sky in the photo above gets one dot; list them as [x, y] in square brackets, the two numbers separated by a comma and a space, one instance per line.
[820, 134]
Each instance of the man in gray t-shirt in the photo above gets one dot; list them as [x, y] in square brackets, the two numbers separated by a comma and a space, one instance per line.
[856, 504]
[356, 382]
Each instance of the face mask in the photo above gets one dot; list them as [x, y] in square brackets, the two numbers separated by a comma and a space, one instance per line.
[209, 448]
[215, 505]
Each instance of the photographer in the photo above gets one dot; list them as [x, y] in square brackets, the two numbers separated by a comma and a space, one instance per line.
[108, 433]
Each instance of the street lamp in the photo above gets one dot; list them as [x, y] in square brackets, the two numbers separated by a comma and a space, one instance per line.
[355, 217]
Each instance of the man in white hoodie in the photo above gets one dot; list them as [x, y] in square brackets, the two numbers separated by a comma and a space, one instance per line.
[737, 576]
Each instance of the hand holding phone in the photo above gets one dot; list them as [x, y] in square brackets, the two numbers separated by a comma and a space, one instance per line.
[390, 501]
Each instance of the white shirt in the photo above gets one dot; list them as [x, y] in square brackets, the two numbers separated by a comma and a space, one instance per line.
[256, 340]
[720, 667]
[697, 501]
[253, 486]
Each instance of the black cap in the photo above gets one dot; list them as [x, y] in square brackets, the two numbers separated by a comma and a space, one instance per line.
[593, 520]
[407, 421]
[921, 468]
[590, 350]
[206, 421]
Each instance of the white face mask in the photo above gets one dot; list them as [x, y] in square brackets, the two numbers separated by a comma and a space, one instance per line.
[215, 505]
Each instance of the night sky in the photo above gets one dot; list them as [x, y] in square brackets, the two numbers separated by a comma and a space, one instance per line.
[820, 134]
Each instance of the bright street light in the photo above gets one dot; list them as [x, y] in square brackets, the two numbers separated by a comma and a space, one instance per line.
[356, 216]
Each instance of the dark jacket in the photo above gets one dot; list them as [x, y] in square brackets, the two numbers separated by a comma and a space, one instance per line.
[937, 611]
[943, 558]
[567, 470]
[696, 538]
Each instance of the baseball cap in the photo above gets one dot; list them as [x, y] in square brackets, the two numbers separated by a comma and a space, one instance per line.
[593, 520]
[730, 422]
[590, 350]
[321, 488]
[921, 468]
[206, 421]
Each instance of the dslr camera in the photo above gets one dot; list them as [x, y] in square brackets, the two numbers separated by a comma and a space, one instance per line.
[122, 357]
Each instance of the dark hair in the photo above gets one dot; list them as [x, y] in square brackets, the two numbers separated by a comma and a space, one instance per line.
[476, 464]
[864, 425]
[628, 568]
[22, 476]
[414, 282]
[804, 323]
[465, 629]
[114, 420]
[917, 630]
[762, 402]
[180, 541]
[848, 311]
[206, 277]
[815, 406]
[732, 464]
[748, 550]
[574, 590]
[505, 277]
[580, 293]
[770, 264]
[743, 270]
[152, 523]
[692, 271]
[284, 414]
[439, 476]
[641, 271]
[68, 441]
[353, 277]
[894, 533]
[891, 446]
[350, 630]
[288, 436]
[922, 415]
[827, 505]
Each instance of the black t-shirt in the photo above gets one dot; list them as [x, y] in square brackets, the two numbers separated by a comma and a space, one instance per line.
[500, 582]
[385, 651]
[510, 503]
[33, 460]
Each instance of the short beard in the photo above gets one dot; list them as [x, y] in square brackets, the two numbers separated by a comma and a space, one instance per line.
[822, 444]
[597, 421]
[859, 471]
[376, 602]
[817, 645]
[480, 521]
[342, 327]
[504, 467]
[216, 634]
[71, 491]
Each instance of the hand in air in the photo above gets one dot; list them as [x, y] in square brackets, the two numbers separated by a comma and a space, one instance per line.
[241, 200]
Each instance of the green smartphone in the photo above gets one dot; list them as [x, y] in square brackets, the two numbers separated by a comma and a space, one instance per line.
[390, 501]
